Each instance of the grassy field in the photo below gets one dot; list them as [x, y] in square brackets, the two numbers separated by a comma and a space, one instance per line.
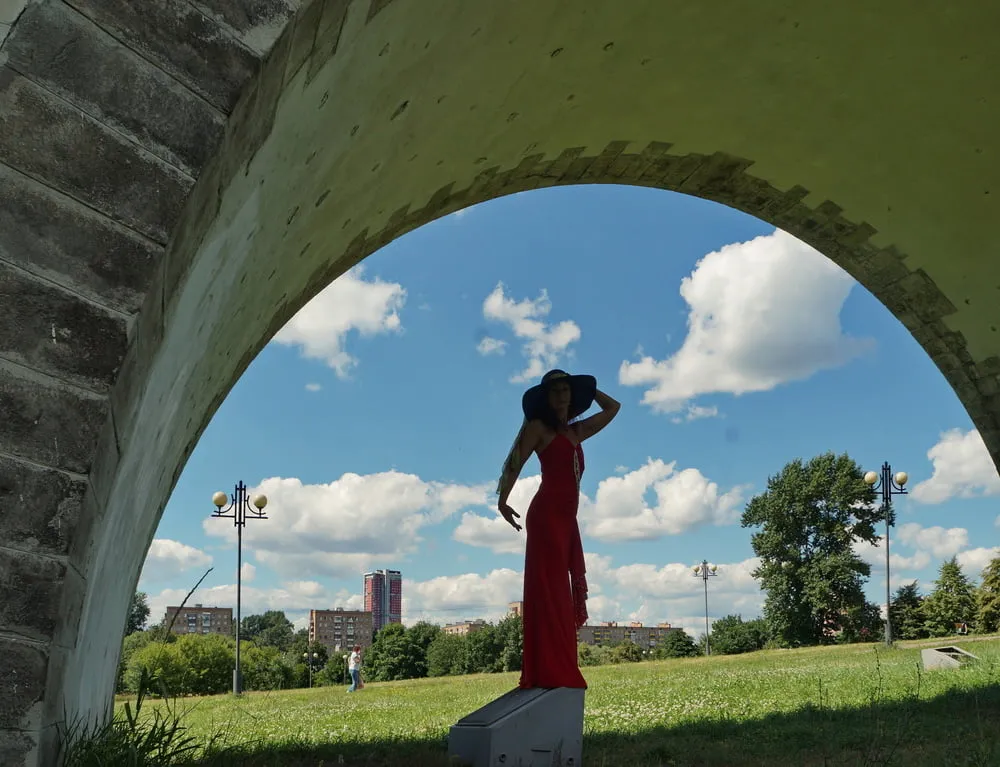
[856, 705]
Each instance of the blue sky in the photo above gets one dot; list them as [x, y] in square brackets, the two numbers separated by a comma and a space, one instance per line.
[377, 419]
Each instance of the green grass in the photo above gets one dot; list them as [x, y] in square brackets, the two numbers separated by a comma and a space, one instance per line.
[855, 705]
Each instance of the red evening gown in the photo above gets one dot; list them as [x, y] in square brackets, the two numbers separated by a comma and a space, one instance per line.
[555, 587]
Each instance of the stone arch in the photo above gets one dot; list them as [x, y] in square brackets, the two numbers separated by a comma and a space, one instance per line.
[168, 221]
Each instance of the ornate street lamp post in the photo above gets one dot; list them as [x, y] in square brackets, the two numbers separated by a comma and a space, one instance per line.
[240, 509]
[310, 657]
[889, 486]
[706, 571]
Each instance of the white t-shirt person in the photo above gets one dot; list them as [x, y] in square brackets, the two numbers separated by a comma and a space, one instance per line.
[354, 663]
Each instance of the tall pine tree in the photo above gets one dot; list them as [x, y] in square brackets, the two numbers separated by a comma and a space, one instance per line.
[988, 614]
[952, 601]
[906, 613]
[809, 518]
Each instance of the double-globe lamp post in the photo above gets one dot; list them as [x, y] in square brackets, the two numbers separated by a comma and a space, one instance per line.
[240, 509]
[889, 485]
[706, 571]
[310, 657]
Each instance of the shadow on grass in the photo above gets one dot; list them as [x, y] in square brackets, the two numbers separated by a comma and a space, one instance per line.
[956, 728]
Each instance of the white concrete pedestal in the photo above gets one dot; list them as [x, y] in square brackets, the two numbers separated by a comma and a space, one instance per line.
[523, 728]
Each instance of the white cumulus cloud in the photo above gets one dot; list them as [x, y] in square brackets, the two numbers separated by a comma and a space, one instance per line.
[167, 559]
[449, 599]
[974, 561]
[684, 499]
[544, 345]
[962, 469]
[344, 527]
[349, 303]
[762, 313]
[490, 345]
[939, 541]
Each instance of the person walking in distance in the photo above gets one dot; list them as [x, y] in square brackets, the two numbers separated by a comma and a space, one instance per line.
[354, 667]
[555, 583]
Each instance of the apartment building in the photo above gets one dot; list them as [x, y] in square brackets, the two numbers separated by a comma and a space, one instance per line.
[384, 597]
[200, 620]
[338, 630]
[516, 608]
[463, 628]
[610, 632]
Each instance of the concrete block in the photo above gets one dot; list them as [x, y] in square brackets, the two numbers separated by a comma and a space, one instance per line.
[41, 507]
[22, 683]
[55, 332]
[55, 237]
[182, 41]
[47, 422]
[43, 136]
[30, 591]
[58, 47]
[536, 728]
[945, 657]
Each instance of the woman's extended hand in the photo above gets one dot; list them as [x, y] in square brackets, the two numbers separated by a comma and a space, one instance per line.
[509, 514]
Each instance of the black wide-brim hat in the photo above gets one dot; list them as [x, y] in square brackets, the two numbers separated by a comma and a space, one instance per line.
[583, 389]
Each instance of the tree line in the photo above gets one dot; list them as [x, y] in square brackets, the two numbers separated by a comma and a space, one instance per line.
[274, 656]
[806, 525]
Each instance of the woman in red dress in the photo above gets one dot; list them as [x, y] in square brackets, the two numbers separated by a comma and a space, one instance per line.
[555, 584]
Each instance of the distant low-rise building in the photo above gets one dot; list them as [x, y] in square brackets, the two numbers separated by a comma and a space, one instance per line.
[611, 632]
[463, 628]
[199, 620]
[339, 629]
[516, 608]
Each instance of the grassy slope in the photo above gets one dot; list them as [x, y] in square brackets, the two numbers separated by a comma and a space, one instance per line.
[817, 706]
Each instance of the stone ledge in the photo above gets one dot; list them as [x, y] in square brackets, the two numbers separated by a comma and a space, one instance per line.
[48, 422]
[107, 171]
[41, 507]
[180, 40]
[22, 684]
[55, 332]
[16, 746]
[52, 235]
[32, 587]
[59, 48]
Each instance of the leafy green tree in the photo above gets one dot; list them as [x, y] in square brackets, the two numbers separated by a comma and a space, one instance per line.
[164, 665]
[952, 600]
[446, 655]
[421, 635]
[208, 661]
[676, 644]
[510, 631]
[906, 613]
[988, 599]
[861, 623]
[130, 644]
[392, 655]
[264, 668]
[626, 652]
[272, 629]
[484, 651]
[732, 635]
[809, 518]
[138, 613]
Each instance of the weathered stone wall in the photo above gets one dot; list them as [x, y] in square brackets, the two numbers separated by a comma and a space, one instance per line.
[108, 112]
[173, 187]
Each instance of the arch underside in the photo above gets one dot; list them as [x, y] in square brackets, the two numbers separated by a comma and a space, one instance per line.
[203, 182]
